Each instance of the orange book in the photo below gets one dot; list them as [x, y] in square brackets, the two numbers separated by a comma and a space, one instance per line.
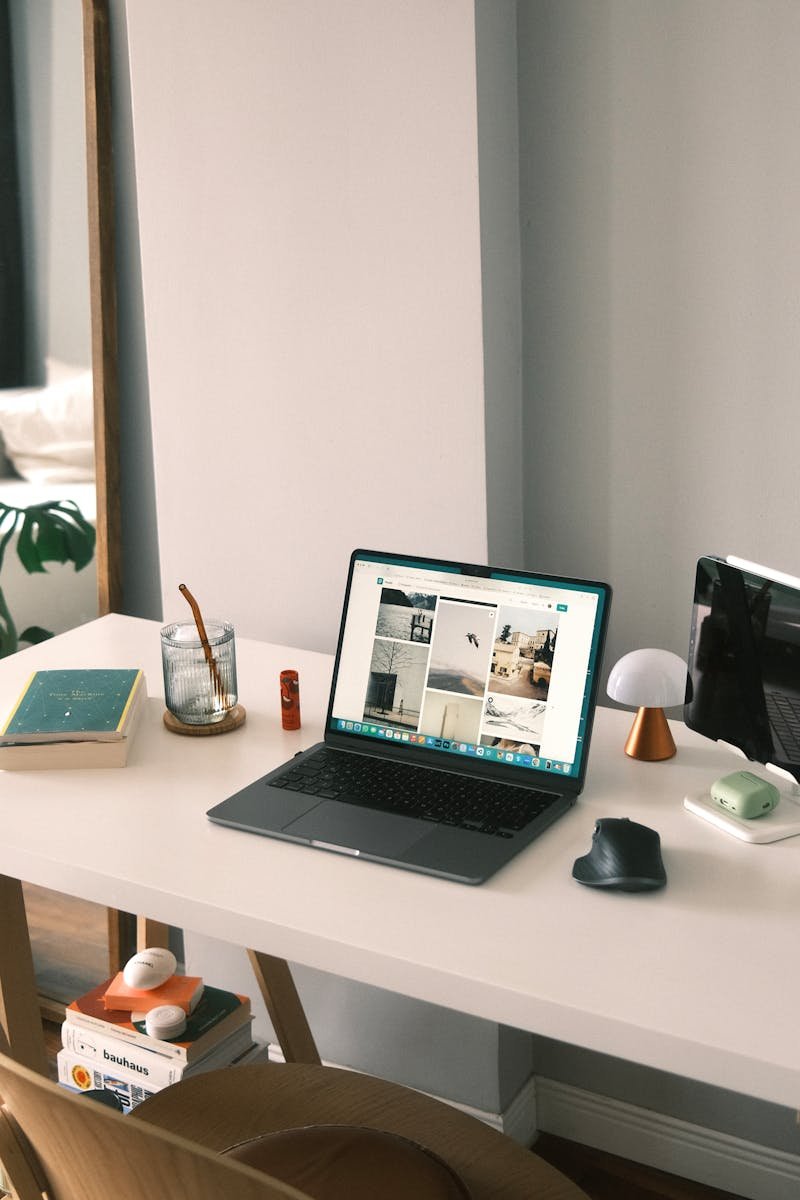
[183, 990]
[216, 1017]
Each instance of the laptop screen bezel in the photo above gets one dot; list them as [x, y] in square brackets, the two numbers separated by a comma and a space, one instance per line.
[531, 777]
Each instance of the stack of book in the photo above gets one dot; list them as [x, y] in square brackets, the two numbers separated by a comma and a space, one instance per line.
[73, 718]
[109, 1048]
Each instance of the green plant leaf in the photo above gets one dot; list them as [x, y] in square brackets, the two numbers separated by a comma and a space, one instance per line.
[27, 550]
[8, 526]
[79, 536]
[79, 543]
[50, 540]
[56, 531]
[9, 642]
[74, 513]
[35, 634]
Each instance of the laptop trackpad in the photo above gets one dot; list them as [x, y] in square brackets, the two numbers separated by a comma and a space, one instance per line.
[358, 829]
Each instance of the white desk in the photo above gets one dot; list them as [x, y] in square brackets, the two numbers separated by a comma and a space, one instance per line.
[700, 979]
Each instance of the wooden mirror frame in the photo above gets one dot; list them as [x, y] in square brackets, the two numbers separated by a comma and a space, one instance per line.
[103, 306]
[103, 302]
[121, 927]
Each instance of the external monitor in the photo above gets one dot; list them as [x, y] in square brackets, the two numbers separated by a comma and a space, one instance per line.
[744, 661]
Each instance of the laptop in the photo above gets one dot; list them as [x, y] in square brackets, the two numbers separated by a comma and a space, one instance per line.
[458, 724]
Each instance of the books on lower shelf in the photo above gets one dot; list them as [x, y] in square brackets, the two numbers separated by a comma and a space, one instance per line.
[81, 1074]
[73, 718]
[216, 1016]
[184, 990]
[110, 1049]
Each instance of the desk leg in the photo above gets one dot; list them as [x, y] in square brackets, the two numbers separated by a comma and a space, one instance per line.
[284, 1007]
[20, 1019]
[151, 934]
[127, 934]
[121, 939]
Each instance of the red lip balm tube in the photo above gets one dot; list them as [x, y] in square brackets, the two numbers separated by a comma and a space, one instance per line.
[290, 700]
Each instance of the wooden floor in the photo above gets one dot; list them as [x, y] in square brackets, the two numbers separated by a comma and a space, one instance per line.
[606, 1177]
[70, 955]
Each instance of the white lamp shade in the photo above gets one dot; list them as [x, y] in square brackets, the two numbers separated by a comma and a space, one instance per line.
[648, 679]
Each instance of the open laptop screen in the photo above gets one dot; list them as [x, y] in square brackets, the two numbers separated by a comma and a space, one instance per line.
[469, 666]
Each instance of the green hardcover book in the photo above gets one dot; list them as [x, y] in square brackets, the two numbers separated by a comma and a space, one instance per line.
[74, 706]
[217, 1015]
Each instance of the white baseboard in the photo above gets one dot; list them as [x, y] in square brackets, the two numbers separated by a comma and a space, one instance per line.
[691, 1151]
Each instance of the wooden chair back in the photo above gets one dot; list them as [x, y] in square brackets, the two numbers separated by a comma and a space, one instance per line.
[76, 1149]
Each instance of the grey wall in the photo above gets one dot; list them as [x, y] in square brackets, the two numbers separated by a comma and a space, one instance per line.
[501, 265]
[140, 556]
[660, 182]
[660, 193]
[449, 1054]
[659, 1091]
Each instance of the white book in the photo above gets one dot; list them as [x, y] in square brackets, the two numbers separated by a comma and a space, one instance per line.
[105, 1052]
[80, 1075]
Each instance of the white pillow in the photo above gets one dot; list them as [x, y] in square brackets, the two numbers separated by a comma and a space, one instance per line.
[49, 431]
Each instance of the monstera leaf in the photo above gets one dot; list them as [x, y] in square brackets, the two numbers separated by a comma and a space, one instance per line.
[55, 532]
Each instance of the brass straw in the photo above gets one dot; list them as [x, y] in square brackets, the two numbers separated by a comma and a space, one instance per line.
[219, 690]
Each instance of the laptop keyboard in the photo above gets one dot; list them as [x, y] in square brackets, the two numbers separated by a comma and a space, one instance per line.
[440, 796]
[784, 717]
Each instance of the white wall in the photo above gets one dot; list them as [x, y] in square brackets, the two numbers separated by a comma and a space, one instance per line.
[306, 179]
[661, 189]
[309, 224]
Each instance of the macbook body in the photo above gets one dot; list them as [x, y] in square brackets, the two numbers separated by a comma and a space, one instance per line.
[458, 723]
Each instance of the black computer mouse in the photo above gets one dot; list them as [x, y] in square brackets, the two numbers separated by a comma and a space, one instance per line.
[624, 855]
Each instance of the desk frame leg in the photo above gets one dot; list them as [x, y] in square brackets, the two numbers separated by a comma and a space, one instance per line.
[121, 938]
[285, 1008]
[151, 934]
[20, 1019]
[128, 933]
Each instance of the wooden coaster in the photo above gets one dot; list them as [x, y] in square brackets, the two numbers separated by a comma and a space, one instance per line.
[231, 720]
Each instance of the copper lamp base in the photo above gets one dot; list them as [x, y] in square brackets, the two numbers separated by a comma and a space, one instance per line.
[650, 738]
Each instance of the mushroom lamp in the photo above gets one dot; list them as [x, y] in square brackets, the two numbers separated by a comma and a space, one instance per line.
[651, 680]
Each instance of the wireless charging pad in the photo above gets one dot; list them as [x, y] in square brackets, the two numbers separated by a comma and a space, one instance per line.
[782, 822]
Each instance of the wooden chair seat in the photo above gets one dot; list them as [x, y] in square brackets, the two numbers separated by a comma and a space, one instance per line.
[222, 1108]
[332, 1161]
[172, 1145]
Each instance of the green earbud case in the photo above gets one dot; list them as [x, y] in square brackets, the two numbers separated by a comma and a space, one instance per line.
[745, 795]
